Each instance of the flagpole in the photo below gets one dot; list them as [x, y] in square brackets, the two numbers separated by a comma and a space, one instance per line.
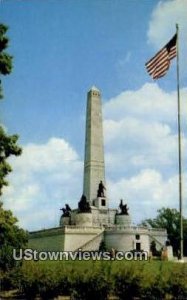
[179, 147]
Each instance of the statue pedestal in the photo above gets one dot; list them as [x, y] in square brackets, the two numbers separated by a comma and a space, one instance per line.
[101, 203]
[169, 252]
[124, 220]
[83, 219]
[64, 221]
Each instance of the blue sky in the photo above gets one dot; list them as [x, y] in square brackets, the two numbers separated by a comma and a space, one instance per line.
[61, 49]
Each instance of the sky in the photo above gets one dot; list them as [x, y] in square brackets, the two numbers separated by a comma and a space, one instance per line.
[61, 49]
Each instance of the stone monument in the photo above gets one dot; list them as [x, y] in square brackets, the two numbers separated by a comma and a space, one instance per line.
[94, 166]
[93, 222]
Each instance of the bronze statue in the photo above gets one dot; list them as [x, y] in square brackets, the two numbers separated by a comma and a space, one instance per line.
[100, 191]
[84, 205]
[66, 211]
[123, 207]
[68, 208]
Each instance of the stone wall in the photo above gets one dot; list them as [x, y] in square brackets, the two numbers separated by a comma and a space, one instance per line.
[103, 217]
[83, 219]
[71, 238]
[99, 217]
[94, 243]
[76, 237]
[122, 238]
[47, 240]
[123, 220]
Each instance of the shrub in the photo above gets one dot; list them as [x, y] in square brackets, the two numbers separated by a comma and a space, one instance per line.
[41, 279]
[127, 282]
[97, 279]
[178, 282]
[154, 282]
[29, 281]
[89, 285]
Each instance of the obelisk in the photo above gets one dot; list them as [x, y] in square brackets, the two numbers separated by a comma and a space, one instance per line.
[94, 167]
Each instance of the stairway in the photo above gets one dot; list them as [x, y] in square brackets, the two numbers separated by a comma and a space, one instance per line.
[156, 240]
[93, 244]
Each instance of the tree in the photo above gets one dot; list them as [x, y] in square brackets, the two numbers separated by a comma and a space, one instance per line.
[8, 147]
[102, 246]
[8, 144]
[11, 236]
[170, 220]
[5, 58]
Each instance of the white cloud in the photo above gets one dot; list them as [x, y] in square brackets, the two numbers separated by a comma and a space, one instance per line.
[47, 156]
[136, 144]
[150, 102]
[145, 193]
[45, 177]
[164, 18]
[140, 130]
[162, 26]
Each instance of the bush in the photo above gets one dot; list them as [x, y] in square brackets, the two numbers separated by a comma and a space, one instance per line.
[97, 279]
[40, 279]
[10, 280]
[178, 282]
[127, 282]
[29, 282]
[89, 285]
[48, 282]
[154, 282]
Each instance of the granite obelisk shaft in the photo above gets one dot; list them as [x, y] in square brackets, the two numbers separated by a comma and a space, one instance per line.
[94, 167]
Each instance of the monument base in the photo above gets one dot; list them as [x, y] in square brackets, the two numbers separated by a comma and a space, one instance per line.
[100, 203]
[64, 221]
[124, 220]
[83, 219]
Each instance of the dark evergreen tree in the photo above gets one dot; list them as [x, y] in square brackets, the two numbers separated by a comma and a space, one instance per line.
[102, 246]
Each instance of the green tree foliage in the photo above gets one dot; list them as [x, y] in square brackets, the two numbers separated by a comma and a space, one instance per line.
[11, 237]
[170, 220]
[8, 147]
[5, 58]
[8, 144]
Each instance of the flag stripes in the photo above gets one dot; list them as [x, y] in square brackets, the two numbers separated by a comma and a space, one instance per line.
[159, 64]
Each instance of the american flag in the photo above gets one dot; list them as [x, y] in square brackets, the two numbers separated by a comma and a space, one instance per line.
[158, 65]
